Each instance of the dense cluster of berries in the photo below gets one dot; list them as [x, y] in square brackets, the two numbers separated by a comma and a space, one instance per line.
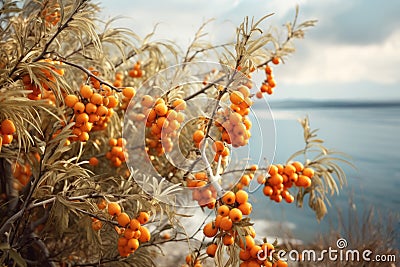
[118, 152]
[230, 213]
[22, 173]
[162, 120]
[92, 111]
[48, 75]
[202, 192]
[233, 121]
[52, 17]
[257, 255]
[281, 178]
[269, 83]
[7, 129]
[132, 232]
[136, 71]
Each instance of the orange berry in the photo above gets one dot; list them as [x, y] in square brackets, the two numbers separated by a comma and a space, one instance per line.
[308, 172]
[79, 107]
[245, 208]
[112, 142]
[96, 99]
[244, 254]
[82, 118]
[188, 259]
[112, 102]
[241, 196]
[90, 108]
[275, 179]
[134, 224]
[273, 170]
[143, 217]
[248, 242]
[228, 240]
[211, 250]
[198, 136]
[218, 147]
[86, 91]
[144, 234]
[102, 204]
[276, 60]
[71, 100]
[235, 214]
[236, 97]
[226, 224]
[298, 165]
[161, 109]
[129, 233]
[267, 190]
[179, 104]
[303, 181]
[254, 251]
[114, 209]
[245, 180]
[210, 230]
[223, 210]
[122, 241]
[133, 244]
[253, 167]
[229, 198]
[102, 111]
[268, 70]
[93, 161]
[289, 169]
[129, 92]
[84, 137]
[123, 219]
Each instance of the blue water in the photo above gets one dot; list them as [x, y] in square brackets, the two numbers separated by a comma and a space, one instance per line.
[368, 132]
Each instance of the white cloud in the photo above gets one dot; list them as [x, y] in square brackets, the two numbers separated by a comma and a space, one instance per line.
[341, 63]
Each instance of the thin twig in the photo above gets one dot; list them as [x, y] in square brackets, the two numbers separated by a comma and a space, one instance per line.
[90, 74]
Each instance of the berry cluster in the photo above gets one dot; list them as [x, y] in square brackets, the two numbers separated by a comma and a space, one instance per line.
[92, 112]
[7, 130]
[132, 232]
[269, 83]
[230, 213]
[136, 71]
[202, 192]
[22, 173]
[117, 154]
[233, 122]
[48, 75]
[253, 255]
[162, 121]
[281, 178]
[52, 17]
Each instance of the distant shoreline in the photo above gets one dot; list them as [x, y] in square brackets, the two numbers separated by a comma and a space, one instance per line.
[299, 104]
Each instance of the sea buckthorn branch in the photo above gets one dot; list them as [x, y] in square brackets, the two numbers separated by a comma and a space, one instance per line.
[90, 74]
[59, 30]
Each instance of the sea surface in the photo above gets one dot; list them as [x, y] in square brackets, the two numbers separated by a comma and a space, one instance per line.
[368, 132]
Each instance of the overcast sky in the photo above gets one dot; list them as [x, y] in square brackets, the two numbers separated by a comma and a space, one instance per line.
[353, 52]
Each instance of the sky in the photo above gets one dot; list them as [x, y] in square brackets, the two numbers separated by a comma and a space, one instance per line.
[352, 53]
